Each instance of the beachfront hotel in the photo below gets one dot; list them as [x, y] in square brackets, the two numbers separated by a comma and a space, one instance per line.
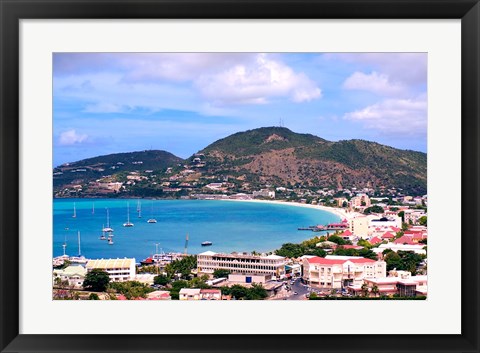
[119, 270]
[336, 272]
[209, 261]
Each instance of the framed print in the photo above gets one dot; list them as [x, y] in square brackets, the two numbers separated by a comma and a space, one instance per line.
[258, 176]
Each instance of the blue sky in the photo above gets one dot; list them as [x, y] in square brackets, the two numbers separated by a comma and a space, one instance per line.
[180, 102]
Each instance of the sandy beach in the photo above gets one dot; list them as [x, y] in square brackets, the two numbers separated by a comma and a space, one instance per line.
[340, 212]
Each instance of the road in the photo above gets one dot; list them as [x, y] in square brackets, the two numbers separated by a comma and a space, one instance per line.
[299, 288]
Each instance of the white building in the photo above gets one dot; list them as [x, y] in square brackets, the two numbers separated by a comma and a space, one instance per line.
[418, 249]
[74, 275]
[341, 271]
[264, 193]
[209, 261]
[119, 269]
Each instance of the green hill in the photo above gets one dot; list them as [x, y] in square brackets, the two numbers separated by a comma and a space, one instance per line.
[278, 155]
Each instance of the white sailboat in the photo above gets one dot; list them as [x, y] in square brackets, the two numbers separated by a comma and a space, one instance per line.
[108, 229]
[128, 223]
[152, 220]
[110, 241]
[74, 211]
[93, 208]
[103, 237]
[139, 210]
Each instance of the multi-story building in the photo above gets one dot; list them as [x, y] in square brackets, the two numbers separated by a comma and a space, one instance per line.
[412, 216]
[73, 274]
[360, 200]
[342, 271]
[359, 226]
[119, 270]
[209, 261]
[264, 193]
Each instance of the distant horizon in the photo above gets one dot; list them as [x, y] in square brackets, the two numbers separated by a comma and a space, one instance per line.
[105, 103]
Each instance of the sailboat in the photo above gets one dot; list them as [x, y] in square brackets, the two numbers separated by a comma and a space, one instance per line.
[103, 237]
[139, 210]
[152, 220]
[74, 211]
[128, 223]
[107, 228]
[93, 208]
[110, 241]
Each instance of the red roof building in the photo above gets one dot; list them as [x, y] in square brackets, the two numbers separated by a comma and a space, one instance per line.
[388, 235]
[375, 240]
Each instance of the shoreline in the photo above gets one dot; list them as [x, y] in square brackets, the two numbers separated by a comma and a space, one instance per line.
[340, 212]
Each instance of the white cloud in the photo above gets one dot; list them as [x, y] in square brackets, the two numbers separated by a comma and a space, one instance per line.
[393, 116]
[373, 82]
[104, 107]
[256, 82]
[70, 137]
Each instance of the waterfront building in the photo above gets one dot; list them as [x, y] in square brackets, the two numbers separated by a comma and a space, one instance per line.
[264, 193]
[338, 272]
[209, 261]
[119, 270]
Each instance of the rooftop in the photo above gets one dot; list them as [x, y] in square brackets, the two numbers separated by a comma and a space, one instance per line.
[110, 263]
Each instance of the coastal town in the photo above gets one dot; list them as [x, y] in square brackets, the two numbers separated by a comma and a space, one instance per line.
[378, 250]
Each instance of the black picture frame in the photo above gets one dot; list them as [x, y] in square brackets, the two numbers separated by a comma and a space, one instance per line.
[12, 11]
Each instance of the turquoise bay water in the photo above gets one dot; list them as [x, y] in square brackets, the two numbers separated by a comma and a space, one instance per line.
[231, 226]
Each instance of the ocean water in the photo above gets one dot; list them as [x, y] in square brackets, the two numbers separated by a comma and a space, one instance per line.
[230, 226]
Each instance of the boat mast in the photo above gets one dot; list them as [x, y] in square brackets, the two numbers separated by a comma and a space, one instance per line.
[74, 211]
[79, 250]
[93, 208]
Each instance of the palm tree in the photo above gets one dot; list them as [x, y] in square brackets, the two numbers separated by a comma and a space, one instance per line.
[364, 289]
[375, 290]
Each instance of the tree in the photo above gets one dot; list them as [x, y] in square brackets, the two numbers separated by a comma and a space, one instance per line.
[364, 289]
[422, 221]
[375, 290]
[96, 280]
[374, 209]
[221, 273]
[393, 261]
[336, 239]
[161, 280]
[93, 296]
[402, 215]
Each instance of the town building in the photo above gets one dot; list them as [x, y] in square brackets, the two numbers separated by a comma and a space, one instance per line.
[361, 200]
[264, 193]
[359, 226]
[338, 272]
[200, 294]
[74, 275]
[416, 248]
[412, 216]
[241, 263]
[119, 270]
[402, 284]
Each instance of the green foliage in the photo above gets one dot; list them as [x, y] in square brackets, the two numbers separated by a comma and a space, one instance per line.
[93, 296]
[403, 260]
[221, 273]
[161, 280]
[183, 267]
[401, 214]
[256, 292]
[374, 209]
[307, 247]
[338, 240]
[422, 221]
[131, 289]
[364, 243]
[96, 280]
[367, 253]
